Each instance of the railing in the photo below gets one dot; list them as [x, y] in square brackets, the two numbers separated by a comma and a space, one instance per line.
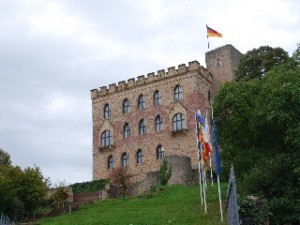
[5, 220]
[232, 206]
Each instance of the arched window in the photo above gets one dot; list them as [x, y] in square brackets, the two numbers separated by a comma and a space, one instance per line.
[178, 122]
[126, 106]
[160, 152]
[140, 156]
[157, 98]
[142, 127]
[107, 111]
[158, 123]
[106, 138]
[142, 102]
[125, 159]
[178, 94]
[126, 131]
[110, 162]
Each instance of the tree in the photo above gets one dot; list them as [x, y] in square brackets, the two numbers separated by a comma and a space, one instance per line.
[257, 62]
[120, 178]
[33, 188]
[260, 116]
[296, 54]
[22, 191]
[259, 131]
[4, 158]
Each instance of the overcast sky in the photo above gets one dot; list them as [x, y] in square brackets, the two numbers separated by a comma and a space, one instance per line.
[53, 52]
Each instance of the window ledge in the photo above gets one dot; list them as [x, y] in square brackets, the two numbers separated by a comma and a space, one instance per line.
[107, 147]
[181, 131]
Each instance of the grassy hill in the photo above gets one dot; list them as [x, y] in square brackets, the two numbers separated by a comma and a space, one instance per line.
[175, 204]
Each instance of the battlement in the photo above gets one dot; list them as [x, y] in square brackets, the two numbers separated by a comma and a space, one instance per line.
[222, 48]
[151, 77]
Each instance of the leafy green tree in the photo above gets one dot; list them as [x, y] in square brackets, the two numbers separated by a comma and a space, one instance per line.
[21, 190]
[10, 204]
[277, 180]
[32, 189]
[4, 158]
[257, 62]
[296, 54]
[259, 128]
[260, 117]
[278, 111]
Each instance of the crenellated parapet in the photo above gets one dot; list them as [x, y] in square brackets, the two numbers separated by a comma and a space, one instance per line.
[151, 77]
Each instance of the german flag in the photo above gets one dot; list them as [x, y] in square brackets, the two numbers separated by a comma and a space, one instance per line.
[213, 33]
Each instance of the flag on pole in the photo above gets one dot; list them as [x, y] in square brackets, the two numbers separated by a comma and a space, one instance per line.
[213, 33]
[200, 121]
[217, 152]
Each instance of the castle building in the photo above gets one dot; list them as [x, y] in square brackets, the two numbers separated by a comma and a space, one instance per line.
[139, 122]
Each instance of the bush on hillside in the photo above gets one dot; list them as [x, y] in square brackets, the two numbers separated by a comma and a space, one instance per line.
[89, 186]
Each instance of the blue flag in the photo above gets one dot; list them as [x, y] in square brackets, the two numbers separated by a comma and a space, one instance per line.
[217, 152]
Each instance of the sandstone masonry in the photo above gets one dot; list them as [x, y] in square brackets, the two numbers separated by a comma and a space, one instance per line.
[139, 122]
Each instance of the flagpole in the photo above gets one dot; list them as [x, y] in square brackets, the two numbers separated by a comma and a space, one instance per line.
[203, 168]
[209, 142]
[220, 197]
[217, 169]
[207, 38]
[200, 180]
[199, 164]
[204, 187]
[211, 173]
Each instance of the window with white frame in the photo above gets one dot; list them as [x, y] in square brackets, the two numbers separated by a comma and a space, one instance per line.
[178, 93]
[142, 102]
[157, 98]
[107, 111]
[110, 162]
[142, 127]
[158, 123]
[106, 138]
[125, 159]
[126, 106]
[140, 156]
[178, 122]
[160, 152]
[126, 131]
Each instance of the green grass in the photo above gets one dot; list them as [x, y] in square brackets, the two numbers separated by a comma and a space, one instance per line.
[175, 204]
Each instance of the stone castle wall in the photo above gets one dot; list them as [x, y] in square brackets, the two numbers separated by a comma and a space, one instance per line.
[180, 146]
[195, 82]
[181, 169]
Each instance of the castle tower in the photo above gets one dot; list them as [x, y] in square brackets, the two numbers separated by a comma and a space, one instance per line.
[222, 62]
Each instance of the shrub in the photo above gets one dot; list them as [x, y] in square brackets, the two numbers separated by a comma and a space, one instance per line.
[254, 211]
[89, 186]
[120, 177]
[60, 196]
[165, 173]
